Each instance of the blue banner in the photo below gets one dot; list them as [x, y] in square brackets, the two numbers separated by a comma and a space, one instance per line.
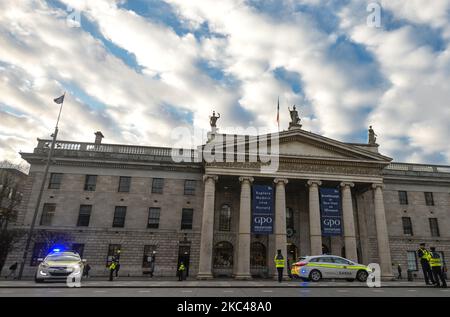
[330, 212]
[262, 207]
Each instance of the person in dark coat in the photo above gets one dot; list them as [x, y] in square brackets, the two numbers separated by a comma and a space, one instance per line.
[12, 270]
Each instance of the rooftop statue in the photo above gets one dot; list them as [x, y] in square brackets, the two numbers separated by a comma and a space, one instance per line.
[295, 119]
[372, 136]
[213, 119]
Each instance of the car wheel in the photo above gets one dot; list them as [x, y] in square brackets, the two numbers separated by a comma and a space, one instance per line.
[362, 276]
[315, 276]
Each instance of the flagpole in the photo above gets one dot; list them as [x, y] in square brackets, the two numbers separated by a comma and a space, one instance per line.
[41, 191]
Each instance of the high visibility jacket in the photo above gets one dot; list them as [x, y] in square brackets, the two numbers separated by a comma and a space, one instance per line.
[112, 266]
[181, 268]
[426, 255]
[279, 263]
[435, 259]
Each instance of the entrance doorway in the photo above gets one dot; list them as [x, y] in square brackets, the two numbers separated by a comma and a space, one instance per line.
[184, 252]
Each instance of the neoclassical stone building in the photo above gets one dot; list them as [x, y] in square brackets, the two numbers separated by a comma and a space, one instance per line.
[138, 199]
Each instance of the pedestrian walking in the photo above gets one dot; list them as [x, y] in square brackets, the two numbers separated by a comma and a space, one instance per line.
[279, 264]
[425, 257]
[86, 270]
[399, 270]
[181, 271]
[151, 265]
[436, 267]
[12, 271]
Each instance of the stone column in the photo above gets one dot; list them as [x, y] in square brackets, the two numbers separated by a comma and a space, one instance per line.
[349, 222]
[206, 241]
[315, 230]
[243, 254]
[280, 221]
[384, 251]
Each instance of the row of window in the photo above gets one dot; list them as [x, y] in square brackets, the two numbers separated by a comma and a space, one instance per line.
[120, 213]
[408, 229]
[90, 184]
[403, 198]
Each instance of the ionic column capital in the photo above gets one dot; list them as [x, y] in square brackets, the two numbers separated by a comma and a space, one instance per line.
[208, 176]
[246, 179]
[284, 181]
[378, 185]
[347, 184]
[313, 182]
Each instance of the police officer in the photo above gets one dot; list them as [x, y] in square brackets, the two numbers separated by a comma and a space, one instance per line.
[425, 257]
[181, 270]
[112, 268]
[436, 267]
[116, 259]
[279, 264]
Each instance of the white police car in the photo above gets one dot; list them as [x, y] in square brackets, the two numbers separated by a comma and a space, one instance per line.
[58, 266]
[315, 268]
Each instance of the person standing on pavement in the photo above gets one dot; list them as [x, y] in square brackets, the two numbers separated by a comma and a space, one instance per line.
[152, 265]
[12, 270]
[86, 270]
[399, 270]
[436, 267]
[279, 264]
[112, 268]
[181, 270]
[117, 260]
[425, 257]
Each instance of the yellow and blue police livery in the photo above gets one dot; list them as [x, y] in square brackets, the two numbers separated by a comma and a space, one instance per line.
[58, 265]
[315, 268]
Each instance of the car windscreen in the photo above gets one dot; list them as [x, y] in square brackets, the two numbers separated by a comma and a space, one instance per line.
[62, 258]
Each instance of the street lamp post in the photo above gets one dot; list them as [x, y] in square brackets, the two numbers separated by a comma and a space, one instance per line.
[41, 191]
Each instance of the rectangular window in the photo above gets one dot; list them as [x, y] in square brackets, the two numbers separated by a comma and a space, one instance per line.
[124, 184]
[186, 218]
[403, 197]
[412, 260]
[78, 248]
[189, 187]
[407, 226]
[84, 216]
[153, 218]
[119, 216]
[429, 201]
[55, 180]
[149, 255]
[90, 182]
[112, 250]
[39, 251]
[157, 185]
[48, 211]
[434, 227]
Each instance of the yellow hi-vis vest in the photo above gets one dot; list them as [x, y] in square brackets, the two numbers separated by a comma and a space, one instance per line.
[426, 254]
[279, 263]
[435, 259]
[112, 266]
[181, 268]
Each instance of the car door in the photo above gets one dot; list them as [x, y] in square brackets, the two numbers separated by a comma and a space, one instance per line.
[327, 267]
[343, 268]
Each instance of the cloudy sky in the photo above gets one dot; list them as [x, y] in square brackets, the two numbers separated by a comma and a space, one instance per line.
[137, 69]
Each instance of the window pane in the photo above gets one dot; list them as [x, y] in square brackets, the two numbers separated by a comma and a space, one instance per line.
[157, 185]
[149, 256]
[90, 182]
[119, 216]
[412, 260]
[124, 184]
[55, 181]
[258, 255]
[429, 199]
[225, 218]
[407, 225]
[84, 215]
[223, 255]
[434, 227]
[153, 217]
[186, 218]
[403, 197]
[48, 211]
[189, 187]
[289, 218]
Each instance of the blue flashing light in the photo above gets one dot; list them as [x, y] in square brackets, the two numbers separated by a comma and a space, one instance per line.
[56, 250]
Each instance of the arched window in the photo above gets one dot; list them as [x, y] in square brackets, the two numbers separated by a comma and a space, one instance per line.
[289, 218]
[223, 255]
[225, 218]
[258, 255]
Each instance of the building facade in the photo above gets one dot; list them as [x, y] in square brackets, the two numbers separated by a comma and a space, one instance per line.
[140, 200]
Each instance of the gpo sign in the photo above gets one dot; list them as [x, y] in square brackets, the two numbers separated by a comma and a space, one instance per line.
[332, 222]
[263, 220]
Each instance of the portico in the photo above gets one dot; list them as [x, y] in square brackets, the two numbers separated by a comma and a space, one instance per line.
[307, 162]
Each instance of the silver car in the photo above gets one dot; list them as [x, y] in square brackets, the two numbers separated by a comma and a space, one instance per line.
[58, 266]
[315, 268]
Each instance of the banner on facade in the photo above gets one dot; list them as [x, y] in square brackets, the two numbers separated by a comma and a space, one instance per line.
[262, 209]
[330, 212]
